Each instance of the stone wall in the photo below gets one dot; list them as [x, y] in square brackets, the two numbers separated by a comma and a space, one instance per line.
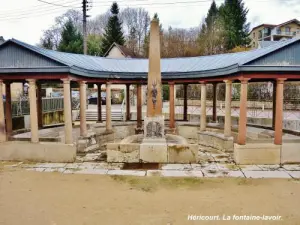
[37, 152]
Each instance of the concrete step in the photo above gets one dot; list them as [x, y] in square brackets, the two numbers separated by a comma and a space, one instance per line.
[93, 115]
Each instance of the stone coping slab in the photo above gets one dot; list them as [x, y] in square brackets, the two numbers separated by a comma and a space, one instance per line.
[209, 170]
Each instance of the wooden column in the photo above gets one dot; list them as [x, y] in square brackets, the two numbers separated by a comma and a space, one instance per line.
[241, 140]
[82, 92]
[185, 105]
[214, 107]
[99, 103]
[171, 105]
[203, 107]
[33, 111]
[39, 105]
[139, 107]
[2, 116]
[67, 112]
[108, 107]
[127, 102]
[8, 112]
[279, 111]
[274, 105]
[227, 123]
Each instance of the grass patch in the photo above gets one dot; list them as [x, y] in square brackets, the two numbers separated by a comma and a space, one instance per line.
[244, 181]
[232, 166]
[151, 184]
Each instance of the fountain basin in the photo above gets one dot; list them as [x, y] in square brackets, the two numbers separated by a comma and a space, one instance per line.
[171, 149]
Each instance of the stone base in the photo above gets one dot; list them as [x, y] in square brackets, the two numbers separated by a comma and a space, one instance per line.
[123, 152]
[182, 153]
[215, 140]
[37, 152]
[154, 151]
[257, 153]
[154, 127]
[150, 151]
[290, 153]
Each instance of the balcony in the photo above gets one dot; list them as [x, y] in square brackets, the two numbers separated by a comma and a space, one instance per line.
[283, 33]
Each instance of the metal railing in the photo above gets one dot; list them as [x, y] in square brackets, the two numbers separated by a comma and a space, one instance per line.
[22, 107]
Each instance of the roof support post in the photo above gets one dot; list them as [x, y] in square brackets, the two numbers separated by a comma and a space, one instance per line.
[274, 104]
[241, 140]
[214, 107]
[172, 106]
[139, 108]
[67, 111]
[185, 102]
[40, 105]
[279, 111]
[99, 103]
[33, 111]
[127, 102]
[8, 113]
[203, 107]
[227, 123]
[82, 90]
[108, 107]
[2, 117]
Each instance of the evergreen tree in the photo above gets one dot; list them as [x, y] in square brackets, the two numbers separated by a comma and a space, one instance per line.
[71, 39]
[113, 31]
[212, 15]
[234, 15]
[211, 37]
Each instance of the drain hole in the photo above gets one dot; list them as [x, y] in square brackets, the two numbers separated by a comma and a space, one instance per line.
[141, 166]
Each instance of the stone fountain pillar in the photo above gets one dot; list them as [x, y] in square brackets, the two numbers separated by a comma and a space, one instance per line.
[154, 147]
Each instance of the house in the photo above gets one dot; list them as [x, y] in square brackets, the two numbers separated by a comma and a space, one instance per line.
[16, 88]
[119, 51]
[273, 32]
[1, 40]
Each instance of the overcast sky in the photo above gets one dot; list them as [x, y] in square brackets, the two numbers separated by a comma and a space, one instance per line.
[26, 19]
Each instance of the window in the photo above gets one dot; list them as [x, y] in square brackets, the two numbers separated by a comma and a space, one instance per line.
[287, 29]
[253, 34]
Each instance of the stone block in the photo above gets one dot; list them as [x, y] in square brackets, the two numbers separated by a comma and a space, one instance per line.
[127, 172]
[290, 153]
[215, 140]
[189, 132]
[294, 174]
[92, 171]
[182, 153]
[154, 152]
[266, 174]
[176, 167]
[123, 153]
[257, 153]
[82, 145]
[37, 152]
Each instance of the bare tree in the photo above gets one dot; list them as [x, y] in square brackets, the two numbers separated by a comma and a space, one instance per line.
[139, 19]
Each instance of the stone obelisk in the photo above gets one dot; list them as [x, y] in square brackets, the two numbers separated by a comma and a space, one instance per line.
[154, 99]
[154, 121]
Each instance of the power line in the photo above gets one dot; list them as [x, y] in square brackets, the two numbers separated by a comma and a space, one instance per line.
[35, 7]
[37, 12]
[51, 3]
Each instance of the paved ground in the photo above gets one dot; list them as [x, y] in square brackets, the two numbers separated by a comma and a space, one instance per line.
[33, 198]
[212, 169]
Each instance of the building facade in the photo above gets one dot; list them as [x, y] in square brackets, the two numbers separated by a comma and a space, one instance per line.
[273, 32]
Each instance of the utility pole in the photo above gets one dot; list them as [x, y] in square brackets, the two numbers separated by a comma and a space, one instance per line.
[85, 7]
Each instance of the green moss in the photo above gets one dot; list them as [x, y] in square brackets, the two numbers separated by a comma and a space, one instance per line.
[178, 148]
